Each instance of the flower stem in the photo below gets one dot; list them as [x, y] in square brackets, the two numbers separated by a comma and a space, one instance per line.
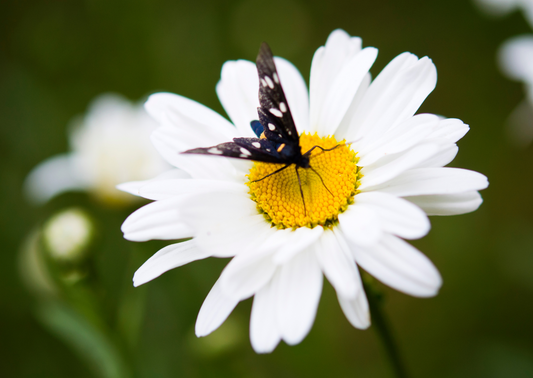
[381, 326]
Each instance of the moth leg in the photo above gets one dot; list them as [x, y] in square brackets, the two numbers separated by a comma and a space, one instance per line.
[320, 177]
[273, 173]
[301, 191]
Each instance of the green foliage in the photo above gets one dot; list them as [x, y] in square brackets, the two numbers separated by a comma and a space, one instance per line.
[55, 57]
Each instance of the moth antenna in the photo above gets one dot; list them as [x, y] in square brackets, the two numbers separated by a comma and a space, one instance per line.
[273, 173]
[323, 149]
[301, 191]
[320, 177]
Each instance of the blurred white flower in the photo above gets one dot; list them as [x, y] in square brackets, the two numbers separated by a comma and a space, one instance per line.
[501, 7]
[110, 145]
[516, 61]
[379, 190]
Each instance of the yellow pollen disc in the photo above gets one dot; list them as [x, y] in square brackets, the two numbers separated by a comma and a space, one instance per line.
[279, 198]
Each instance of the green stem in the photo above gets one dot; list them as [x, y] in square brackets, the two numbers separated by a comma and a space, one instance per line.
[381, 326]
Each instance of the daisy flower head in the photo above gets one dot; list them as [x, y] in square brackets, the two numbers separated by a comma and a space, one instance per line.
[109, 145]
[501, 7]
[516, 61]
[375, 174]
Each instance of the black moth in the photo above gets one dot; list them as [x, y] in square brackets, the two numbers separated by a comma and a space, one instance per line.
[277, 138]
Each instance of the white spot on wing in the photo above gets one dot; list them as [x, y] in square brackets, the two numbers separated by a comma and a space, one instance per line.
[270, 82]
[256, 144]
[264, 82]
[282, 107]
[275, 76]
[245, 152]
[276, 112]
[214, 150]
[271, 127]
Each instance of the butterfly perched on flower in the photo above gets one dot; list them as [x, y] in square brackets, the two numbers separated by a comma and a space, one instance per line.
[277, 139]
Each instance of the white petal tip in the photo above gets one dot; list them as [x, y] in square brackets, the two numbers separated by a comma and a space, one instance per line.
[200, 332]
[138, 281]
[264, 351]
[428, 290]
[129, 187]
[265, 347]
[364, 323]
[294, 339]
[430, 293]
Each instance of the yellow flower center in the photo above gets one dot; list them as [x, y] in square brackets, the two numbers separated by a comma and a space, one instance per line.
[327, 191]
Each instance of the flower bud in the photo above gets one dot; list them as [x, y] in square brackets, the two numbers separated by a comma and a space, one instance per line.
[67, 235]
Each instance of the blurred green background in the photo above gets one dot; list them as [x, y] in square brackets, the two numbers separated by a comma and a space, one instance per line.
[56, 56]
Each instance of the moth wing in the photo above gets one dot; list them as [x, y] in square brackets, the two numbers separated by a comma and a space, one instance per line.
[244, 150]
[272, 99]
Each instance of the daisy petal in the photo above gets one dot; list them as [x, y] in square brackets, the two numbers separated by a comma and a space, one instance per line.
[449, 204]
[430, 181]
[264, 334]
[223, 239]
[237, 91]
[133, 187]
[360, 224]
[396, 215]
[214, 311]
[401, 138]
[354, 307]
[247, 273]
[298, 288]
[53, 176]
[448, 131]
[170, 257]
[356, 310]
[338, 267]
[393, 97]
[344, 127]
[342, 91]
[327, 62]
[378, 88]
[384, 171]
[299, 240]
[158, 190]
[157, 220]
[214, 218]
[188, 115]
[169, 143]
[400, 266]
[443, 157]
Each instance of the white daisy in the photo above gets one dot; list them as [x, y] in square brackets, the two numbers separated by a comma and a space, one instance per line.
[516, 61]
[383, 184]
[109, 145]
[500, 7]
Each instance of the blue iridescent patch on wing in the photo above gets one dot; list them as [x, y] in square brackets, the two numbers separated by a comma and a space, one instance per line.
[257, 128]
